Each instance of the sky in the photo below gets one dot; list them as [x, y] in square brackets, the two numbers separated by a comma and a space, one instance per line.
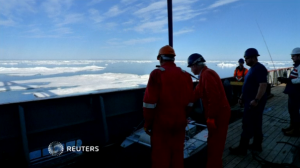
[137, 29]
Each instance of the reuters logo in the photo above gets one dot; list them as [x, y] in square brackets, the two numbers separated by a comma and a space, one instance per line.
[55, 148]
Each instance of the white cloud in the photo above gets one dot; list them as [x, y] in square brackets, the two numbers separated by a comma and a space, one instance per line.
[110, 25]
[202, 19]
[8, 8]
[70, 19]
[63, 30]
[183, 10]
[11, 11]
[152, 7]
[141, 41]
[8, 22]
[184, 2]
[55, 8]
[95, 16]
[119, 42]
[185, 15]
[34, 30]
[221, 3]
[128, 22]
[93, 2]
[127, 2]
[58, 32]
[154, 15]
[114, 41]
[183, 31]
[114, 11]
[155, 26]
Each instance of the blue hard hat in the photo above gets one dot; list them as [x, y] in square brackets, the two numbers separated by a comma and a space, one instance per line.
[194, 59]
[251, 52]
[241, 60]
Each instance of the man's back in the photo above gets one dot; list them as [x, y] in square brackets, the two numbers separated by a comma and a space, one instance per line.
[171, 89]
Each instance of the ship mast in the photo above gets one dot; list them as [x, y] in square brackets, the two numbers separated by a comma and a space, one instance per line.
[170, 22]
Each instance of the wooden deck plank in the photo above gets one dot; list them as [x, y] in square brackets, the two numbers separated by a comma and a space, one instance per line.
[226, 152]
[291, 154]
[269, 144]
[243, 160]
[235, 140]
[268, 130]
[275, 117]
[285, 150]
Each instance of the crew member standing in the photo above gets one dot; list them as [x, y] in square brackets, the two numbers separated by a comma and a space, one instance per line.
[293, 90]
[240, 72]
[254, 98]
[216, 108]
[168, 96]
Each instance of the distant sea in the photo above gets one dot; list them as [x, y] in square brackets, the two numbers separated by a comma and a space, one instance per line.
[25, 80]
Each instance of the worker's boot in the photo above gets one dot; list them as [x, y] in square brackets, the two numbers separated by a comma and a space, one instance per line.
[257, 144]
[295, 131]
[241, 149]
[289, 128]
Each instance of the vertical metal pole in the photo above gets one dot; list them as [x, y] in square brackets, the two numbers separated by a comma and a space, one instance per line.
[24, 134]
[170, 22]
[104, 119]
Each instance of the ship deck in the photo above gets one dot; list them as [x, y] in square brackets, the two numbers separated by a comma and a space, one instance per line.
[275, 117]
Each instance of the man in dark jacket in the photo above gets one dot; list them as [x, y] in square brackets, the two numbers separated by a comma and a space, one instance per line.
[293, 90]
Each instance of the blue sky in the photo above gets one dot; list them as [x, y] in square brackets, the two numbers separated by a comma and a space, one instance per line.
[136, 29]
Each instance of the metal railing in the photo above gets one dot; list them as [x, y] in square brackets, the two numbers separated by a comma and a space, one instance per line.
[274, 74]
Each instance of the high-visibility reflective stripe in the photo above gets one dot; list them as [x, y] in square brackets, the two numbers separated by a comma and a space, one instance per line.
[190, 104]
[148, 105]
[161, 68]
[167, 58]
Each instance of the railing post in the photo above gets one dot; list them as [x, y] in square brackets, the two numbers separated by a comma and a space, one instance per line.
[24, 134]
[104, 119]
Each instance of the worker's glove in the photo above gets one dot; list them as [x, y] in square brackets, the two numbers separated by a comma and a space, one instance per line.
[284, 80]
[211, 125]
[148, 131]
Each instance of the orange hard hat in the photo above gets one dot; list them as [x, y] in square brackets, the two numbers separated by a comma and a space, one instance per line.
[166, 50]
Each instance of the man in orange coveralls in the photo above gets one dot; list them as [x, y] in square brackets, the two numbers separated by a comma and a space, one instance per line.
[216, 108]
[168, 96]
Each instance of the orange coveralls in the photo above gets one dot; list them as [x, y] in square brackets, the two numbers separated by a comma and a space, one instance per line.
[168, 94]
[216, 106]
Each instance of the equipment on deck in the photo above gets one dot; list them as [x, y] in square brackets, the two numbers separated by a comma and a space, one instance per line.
[236, 83]
[196, 137]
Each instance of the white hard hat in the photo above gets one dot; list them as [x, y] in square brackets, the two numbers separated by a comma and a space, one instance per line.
[295, 51]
